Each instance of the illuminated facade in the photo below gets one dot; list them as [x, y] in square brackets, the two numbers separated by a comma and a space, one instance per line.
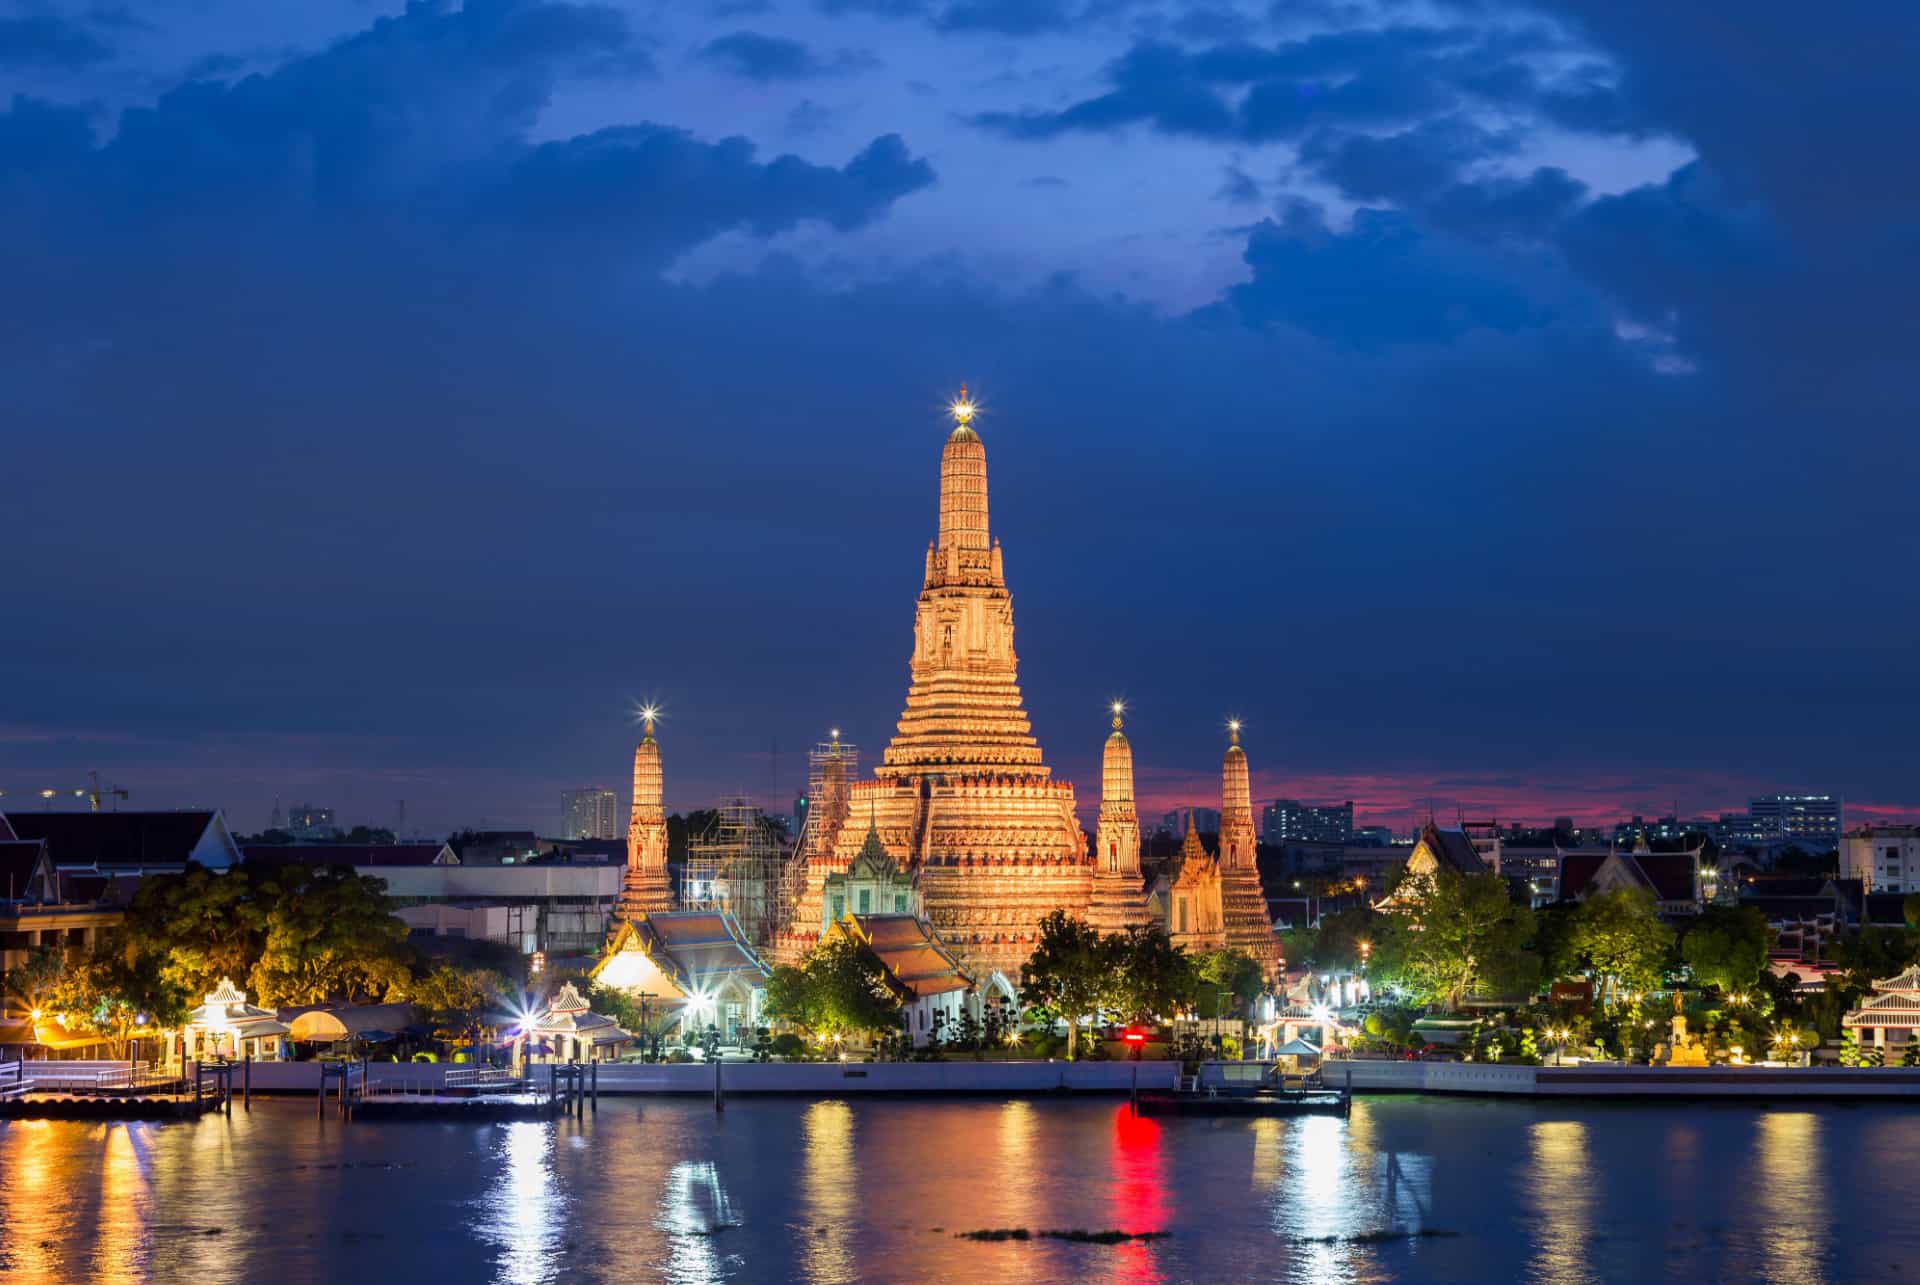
[1216, 902]
[646, 889]
[963, 797]
[1118, 902]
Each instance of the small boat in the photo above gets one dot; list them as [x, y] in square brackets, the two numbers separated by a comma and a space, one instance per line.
[1214, 1103]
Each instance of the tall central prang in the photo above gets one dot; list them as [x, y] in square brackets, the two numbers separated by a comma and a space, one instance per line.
[961, 797]
[963, 714]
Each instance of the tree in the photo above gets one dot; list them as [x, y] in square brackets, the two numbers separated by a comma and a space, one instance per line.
[115, 995]
[1873, 953]
[1727, 947]
[1621, 938]
[201, 926]
[1068, 972]
[33, 982]
[840, 989]
[1462, 931]
[330, 934]
[1152, 976]
[1233, 972]
[1336, 947]
[460, 1002]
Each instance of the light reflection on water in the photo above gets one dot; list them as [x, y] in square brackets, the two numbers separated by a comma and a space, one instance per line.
[834, 1191]
[1559, 1187]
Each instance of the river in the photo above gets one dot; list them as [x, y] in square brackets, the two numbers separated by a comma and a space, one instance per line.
[1410, 1189]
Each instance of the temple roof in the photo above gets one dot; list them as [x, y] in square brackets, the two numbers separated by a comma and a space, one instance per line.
[119, 838]
[1907, 981]
[915, 959]
[1453, 850]
[696, 948]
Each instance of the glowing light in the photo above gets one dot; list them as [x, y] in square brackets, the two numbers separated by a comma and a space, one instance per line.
[1322, 1015]
[963, 408]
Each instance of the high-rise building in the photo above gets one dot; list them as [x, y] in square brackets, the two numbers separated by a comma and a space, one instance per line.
[1285, 820]
[1810, 821]
[592, 813]
[1173, 825]
[309, 820]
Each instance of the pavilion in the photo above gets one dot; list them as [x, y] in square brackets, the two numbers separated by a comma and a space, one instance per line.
[1895, 1007]
[572, 1031]
[225, 1025]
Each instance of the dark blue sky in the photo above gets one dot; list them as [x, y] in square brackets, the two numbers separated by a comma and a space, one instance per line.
[1500, 403]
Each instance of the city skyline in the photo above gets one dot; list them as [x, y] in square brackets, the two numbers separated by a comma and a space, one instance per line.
[1426, 389]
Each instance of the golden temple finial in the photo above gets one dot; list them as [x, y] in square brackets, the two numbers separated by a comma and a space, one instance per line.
[962, 409]
[648, 715]
[1233, 730]
[1119, 708]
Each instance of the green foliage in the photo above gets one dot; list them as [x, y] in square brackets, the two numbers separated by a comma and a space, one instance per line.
[1069, 972]
[33, 982]
[1873, 953]
[460, 1002]
[1461, 932]
[788, 1045]
[329, 934]
[1910, 1051]
[1233, 971]
[201, 926]
[840, 989]
[1149, 976]
[116, 994]
[1910, 909]
[1618, 934]
[1336, 946]
[1726, 947]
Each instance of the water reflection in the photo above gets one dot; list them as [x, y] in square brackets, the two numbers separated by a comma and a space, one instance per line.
[1317, 1207]
[694, 1208]
[829, 1182]
[1790, 1199]
[126, 1208]
[1139, 1194]
[1559, 1190]
[523, 1213]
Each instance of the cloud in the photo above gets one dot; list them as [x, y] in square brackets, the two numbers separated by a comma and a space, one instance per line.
[1006, 17]
[1382, 283]
[1373, 79]
[46, 41]
[753, 56]
[1239, 187]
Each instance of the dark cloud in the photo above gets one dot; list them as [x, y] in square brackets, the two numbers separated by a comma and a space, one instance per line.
[1404, 168]
[754, 56]
[1382, 283]
[50, 42]
[1374, 79]
[1239, 187]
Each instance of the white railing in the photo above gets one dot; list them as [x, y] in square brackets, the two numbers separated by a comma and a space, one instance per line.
[481, 1078]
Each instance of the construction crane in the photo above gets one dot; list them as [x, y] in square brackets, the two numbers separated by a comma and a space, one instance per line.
[95, 794]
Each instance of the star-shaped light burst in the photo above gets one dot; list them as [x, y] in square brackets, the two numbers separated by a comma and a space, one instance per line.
[1233, 729]
[646, 715]
[963, 408]
[1118, 707]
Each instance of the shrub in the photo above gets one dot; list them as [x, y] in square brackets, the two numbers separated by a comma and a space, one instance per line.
[788, 1045]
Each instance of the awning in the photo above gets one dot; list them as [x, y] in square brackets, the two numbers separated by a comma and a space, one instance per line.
[1296, 1047]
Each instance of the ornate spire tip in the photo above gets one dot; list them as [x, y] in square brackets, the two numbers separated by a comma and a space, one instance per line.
[962, 408]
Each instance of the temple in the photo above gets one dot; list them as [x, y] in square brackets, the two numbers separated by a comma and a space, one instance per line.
[646, 889]
[962, 797]
[1215, 902]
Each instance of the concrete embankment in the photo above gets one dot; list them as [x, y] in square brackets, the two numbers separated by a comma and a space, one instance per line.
[1629, 1083]
[816, 1079]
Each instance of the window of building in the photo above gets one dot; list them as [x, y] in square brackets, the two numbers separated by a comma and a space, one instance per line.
[899, 903]
[1183, 914]
[866, 900]
[839, 908]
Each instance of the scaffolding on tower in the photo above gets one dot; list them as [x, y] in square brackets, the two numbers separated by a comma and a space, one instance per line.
[832, 768]
[737, 865]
